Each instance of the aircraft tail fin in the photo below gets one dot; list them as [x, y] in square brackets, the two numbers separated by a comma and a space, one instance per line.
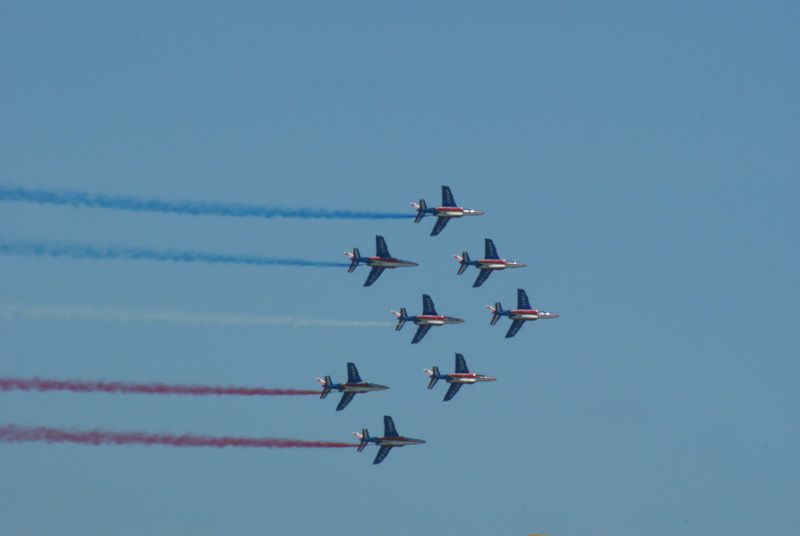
[362, 438]
[463, 260]
[421, 207]
[355, 258]
[434, 374]
[401, 318]
[326, 385]
[496, 311]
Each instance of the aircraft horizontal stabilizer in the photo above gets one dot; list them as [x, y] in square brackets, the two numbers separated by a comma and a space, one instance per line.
[326, 386]
[434, 374]
[421, 207]
[496, 311]
[463, 261]
[401, 318]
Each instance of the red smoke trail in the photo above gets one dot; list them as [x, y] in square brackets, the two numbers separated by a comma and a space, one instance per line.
[39, 434]
[78, 386]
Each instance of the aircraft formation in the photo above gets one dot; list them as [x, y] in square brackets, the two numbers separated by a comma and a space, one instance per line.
[382, 260]
[353, 385]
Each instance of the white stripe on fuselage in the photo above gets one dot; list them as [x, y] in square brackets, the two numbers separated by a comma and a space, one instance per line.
[359, 388]
[450, 212]
[387, 263]
[469, 377]
[525, 315]
[498, 264]
[396, 441]
[462, 380]
[492, 265]
[430, 320]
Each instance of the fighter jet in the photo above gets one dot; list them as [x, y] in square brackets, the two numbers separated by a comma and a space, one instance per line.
[448, 210]
[461, 376]
[379, 262]
[523, 313]
[487, 265]
[428, 318]
[390, 439]
[350, 388]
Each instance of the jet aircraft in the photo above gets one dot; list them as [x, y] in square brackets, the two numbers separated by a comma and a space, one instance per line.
[350, 388]
[448, 210]
[487, 265]
[389, 440]
[381, 261]
[428, 318]
[461, 376]
[523, 313]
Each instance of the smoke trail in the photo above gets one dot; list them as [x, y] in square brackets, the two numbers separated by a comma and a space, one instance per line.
[86, 251]
[79, 386]
[11, 433]
[192, 208]
[15, 312]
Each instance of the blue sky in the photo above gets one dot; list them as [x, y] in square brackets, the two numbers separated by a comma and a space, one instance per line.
[640, 158]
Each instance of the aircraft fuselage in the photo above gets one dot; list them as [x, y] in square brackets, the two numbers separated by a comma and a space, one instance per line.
[530, 314]
[497, 264]
[389, 262]
[455, 212]
[363, 387]
[397, 441]
[436, 320]
[468, 377]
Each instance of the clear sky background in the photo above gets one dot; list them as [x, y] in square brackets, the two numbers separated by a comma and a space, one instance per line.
[642, 158]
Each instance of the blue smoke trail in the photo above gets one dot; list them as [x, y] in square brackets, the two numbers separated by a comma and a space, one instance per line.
[77, 251]
[192, 208]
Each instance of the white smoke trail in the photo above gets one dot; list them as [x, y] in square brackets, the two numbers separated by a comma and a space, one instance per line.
[33, 312]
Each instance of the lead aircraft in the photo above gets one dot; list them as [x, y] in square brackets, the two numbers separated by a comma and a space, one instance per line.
[456, 380]
[389, 440]
[428, 318]
[444, 213]
[350, 388]
[381, 261]
[487, 265]
[523, 313]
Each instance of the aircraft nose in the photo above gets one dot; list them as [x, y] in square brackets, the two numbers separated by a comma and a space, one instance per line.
[380, 387]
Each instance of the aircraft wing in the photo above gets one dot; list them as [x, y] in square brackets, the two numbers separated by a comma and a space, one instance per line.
[454, 387]
[461, 365]
[380, 246]
[346, 398]
[352, 374]
[421, 331]
[522, 300]
[382, 453]
[515, 325]
[483, 275]
[427, 305]
[373, 276]
[491, 251]
[447, 197]
[389, 429]
[441, 221]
